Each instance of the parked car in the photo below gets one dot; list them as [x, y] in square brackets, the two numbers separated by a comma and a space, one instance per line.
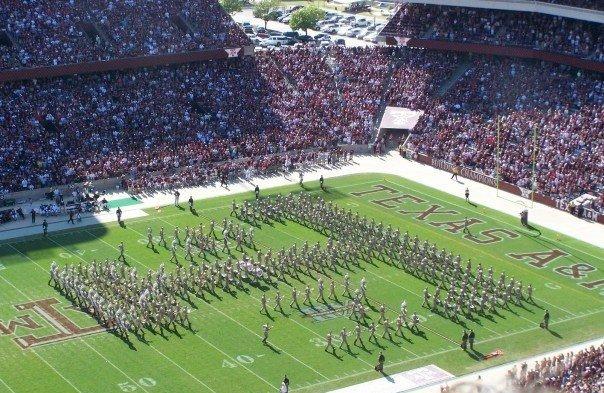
[291, 34]
[361, 23]
[278, 41]
[343, 30]
[304, 38]
[370, 37]
[322, 36]
[340, 41]
[353, 32]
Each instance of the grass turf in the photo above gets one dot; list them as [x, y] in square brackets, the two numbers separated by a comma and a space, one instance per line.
[224, 352]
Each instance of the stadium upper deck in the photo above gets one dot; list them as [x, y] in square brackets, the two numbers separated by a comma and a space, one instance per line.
[542, 32]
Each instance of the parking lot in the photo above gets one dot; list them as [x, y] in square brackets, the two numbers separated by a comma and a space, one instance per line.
[336, 28]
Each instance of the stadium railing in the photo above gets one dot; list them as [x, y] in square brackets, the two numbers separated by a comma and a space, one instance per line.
[488, 49]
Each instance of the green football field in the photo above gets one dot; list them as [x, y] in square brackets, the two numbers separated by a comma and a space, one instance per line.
[48, 346]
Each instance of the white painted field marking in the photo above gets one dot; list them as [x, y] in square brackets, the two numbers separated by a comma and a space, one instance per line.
[241, 362]
[2, 267]
[5, 384]
[55, 370]
[155, 349]
[179, 366]
[492, 218]
[276, 347]
[34, 352]
[455, 348]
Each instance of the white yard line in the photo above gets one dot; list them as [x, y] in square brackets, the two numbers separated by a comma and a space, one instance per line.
[182, 369]
[235, 361]
[5, 384]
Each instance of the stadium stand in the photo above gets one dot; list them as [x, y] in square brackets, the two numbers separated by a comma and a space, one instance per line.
[571, 372]
[131, 122]
[497, 27]
[162, 119]
[37, 33]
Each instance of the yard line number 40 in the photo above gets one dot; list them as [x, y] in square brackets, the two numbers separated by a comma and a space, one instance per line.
[145, 382]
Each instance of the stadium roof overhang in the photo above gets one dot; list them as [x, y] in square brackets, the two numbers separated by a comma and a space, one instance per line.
[519, 5]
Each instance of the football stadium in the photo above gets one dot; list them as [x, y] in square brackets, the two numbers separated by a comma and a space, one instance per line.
[288, 196]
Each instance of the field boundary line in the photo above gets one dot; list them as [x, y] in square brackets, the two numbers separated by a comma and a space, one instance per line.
[113, 224]
[155, 349]
[456, 348]
[5, 384]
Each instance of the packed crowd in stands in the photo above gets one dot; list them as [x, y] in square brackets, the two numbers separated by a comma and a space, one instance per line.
[580, 372]
[498, 27]
[161, 120]
[564, 107]
[46, 32]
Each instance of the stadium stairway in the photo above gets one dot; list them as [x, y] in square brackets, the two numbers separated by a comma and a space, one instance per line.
[10, 45]
[104, 36]
[335, 69]
[184, 24]
[384, 94]
[464, 64]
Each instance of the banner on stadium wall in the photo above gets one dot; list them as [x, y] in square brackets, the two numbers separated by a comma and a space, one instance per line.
[505, 186]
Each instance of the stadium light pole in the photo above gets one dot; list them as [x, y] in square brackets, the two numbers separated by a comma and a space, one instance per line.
[497, 156]
[534, 180]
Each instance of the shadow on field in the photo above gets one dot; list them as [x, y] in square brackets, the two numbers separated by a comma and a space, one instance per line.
[66, 243]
